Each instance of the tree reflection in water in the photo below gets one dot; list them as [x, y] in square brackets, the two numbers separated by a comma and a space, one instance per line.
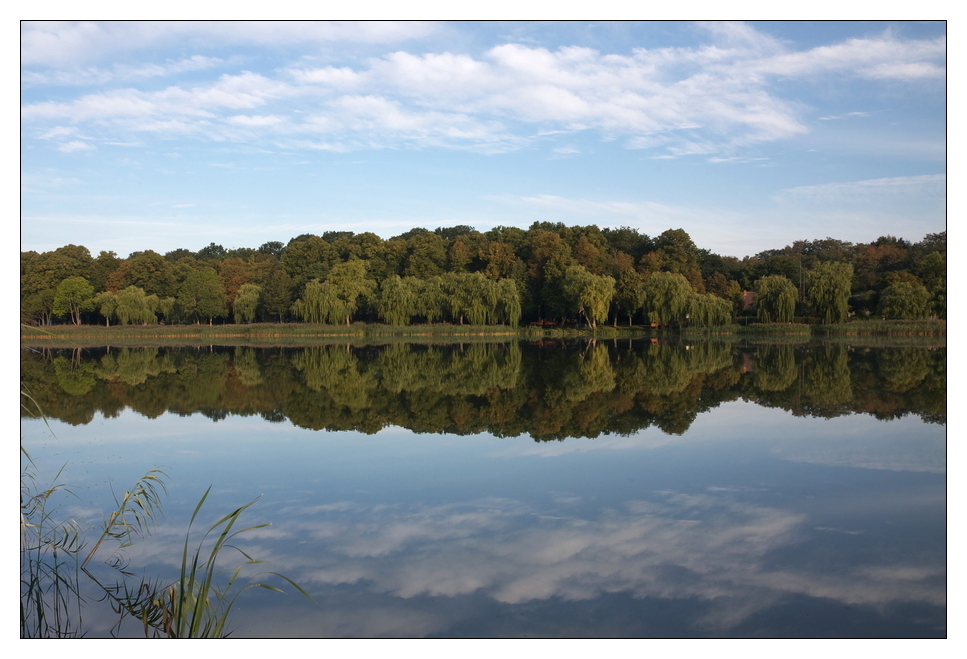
[549, 391]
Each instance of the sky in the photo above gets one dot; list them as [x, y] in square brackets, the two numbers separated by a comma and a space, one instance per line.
[749, 136]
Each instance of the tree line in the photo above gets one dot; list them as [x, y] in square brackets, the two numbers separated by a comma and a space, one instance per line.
[550, 274]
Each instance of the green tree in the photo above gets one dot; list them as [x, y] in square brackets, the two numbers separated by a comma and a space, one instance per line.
[202, 295]
[106, 304]
[905, 301]
[707, 310]
[134, 307]
[548, 259]
[351, 285]
[678, 253]
[318, 303]
[150, 271]
[396, 302]
[336, 299]
[42, 271]
[277, 292]
[38, 306]
[508, 307]
[427, 256]
[246, 302]
[308, 257]
[775, 299]
[471, 296]
[666, 298]
[588, 294]
[432, 301]
[73, 295]
[628, 293]
[828, 289]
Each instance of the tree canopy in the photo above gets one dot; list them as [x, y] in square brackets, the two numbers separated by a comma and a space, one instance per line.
[549, 273]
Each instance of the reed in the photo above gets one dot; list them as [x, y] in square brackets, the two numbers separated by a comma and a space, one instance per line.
[197, 605]
[50, 601]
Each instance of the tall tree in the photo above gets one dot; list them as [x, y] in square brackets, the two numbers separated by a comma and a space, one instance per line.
[588, 294]
[246, 302]
[707, 310]
[351, 285]
[202, 295]
[134, 307]
[73, 295]
[678, 252]
[828, 289]
[150, 271]
[905, 301]
[775, 299]
[509, 307]
[277, 292]
[106, 304]
[396, 302]
[666, 298]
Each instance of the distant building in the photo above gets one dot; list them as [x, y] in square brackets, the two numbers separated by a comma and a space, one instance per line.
[748, 299]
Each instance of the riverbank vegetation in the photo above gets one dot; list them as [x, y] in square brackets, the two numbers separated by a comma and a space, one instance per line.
[549, 276]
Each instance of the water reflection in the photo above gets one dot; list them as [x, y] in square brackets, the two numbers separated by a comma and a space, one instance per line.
[729, 490]
[577, 389]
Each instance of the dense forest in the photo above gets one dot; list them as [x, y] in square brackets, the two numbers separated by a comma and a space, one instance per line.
[549, 274]
[549, 389]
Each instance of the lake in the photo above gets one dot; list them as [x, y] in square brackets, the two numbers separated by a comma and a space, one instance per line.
[569, 488]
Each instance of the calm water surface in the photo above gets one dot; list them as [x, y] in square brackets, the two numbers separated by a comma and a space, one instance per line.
[623, 489]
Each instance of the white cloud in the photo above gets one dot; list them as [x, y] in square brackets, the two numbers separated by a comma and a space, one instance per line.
[151, 111]
[119, 72]
[76, 145]
[60, 131]
[883, 189]
[512, 553]
[255, 120]
[705, 100]
[883, 57]
[58, 43]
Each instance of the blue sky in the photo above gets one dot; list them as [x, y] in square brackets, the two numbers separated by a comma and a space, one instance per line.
[747, 135]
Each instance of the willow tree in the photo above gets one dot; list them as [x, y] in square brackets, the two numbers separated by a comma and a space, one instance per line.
[588, 294]
[509, 307]
[775, 299]
[666, 297]
[471, 296]
[904, 300]
[828, 290]
[319, 303]
[134, 307]
[246, 302]
[431, 299]
[336, 299]
[708, 310]
[106, 304]
[349, 285]
[396, 302]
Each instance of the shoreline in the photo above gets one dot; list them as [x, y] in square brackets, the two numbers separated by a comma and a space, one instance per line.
[269, 334]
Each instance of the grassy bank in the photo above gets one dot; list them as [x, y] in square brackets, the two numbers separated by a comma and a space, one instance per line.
[884, 328]
[273, 334]
[278, 334]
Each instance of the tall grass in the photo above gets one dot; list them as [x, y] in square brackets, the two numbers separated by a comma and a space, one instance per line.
[50, 601]
[197, 605]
